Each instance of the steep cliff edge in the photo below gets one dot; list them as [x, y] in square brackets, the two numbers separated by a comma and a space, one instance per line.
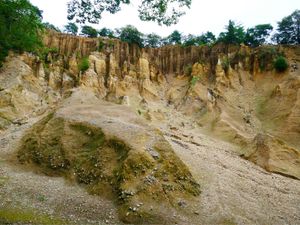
[232, 93]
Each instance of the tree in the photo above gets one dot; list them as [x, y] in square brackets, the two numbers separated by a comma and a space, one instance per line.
[89, 31]
[190, 40]
[288, 31]
[71, 28]
[204, 39]
[20, 27]
[164, 12]
[106, 32]
[207, 39]
[50, 26]
[152, 41]
[257, 35]
[174, 37]
[234, 35]
[131, 35]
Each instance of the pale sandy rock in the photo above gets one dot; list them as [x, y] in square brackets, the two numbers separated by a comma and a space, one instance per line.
[274, 155]
[21, 91]
[144, 70]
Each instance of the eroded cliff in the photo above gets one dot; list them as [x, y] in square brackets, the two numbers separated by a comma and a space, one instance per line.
[232, 93]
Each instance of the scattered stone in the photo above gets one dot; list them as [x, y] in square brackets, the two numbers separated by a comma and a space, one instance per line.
[182, 204]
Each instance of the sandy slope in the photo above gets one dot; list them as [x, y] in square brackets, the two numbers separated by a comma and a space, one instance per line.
[234, 191]
[53, 196]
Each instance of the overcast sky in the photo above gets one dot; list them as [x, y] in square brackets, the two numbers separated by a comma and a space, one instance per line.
[204, 15]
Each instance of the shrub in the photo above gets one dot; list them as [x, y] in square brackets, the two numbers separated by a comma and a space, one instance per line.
[101, 45]
[194, 80]
[188, 70]
[84, 64]
[265, 57]
[281, 64]
[226, 65]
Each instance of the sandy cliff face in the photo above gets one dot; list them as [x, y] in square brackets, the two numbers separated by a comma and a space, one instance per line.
[230, 93]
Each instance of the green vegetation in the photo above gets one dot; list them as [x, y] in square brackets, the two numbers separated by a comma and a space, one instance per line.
[194, 81]
[50, 26]
[71, 28]
[89, 31]
[152, 40]
[205, 39]
[288, 31]
[281, 64]
[257, 35]
[105, 165]
[20, 27]
[43, 53]
[106, 32]
[131, 35]
[17, 216]
[174, 38]
[188, 70]
[84, 64]
[226, 64]
[101, 45]
[3, 180]
[234, 34]
[266, 56]
[161, 11]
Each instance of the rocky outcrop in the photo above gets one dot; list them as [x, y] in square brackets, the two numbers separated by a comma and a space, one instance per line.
[274, 156]
[23, 90]
[231, 92]
[114, 153]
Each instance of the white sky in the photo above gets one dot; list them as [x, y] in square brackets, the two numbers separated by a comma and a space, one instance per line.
[204, 15]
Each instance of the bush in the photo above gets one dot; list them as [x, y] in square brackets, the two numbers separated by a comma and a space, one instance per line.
[266, 56]
[226, 65]
[84, 64]
[188, 70]
[281, 64]
[194, 81]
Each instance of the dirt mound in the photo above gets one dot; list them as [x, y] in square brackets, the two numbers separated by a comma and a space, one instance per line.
[114, 153]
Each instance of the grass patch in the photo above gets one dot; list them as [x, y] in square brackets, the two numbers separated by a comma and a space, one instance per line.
[3, 181]
[194, 81]
[84, 64]
[11, 216]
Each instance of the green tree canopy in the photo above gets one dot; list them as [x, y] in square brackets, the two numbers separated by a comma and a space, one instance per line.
[174, 38]
[131, 35]
[288, 31]
[20, 27]
[50, 26]
[161, 11]
[71, 28]
[106, 32]
[152, 40]
[89, 31]
[257, 35]
[207, 38]
[234, 34]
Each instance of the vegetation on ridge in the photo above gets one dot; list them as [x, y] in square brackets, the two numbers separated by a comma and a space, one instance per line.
[21, 27]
